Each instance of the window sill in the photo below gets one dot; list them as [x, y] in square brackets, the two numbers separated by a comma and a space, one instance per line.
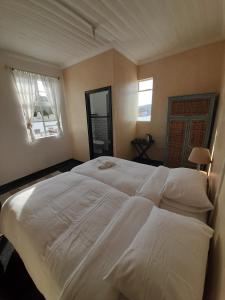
[143, 122]
[46, 137]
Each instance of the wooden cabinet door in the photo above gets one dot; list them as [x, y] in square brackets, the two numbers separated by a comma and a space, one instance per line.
[176, 142]
[196, 137]
[190, 120]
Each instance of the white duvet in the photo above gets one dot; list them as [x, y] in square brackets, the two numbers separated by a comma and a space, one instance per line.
[86, 282]
[57, 225]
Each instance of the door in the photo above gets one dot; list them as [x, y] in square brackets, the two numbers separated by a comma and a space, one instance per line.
[99, 120]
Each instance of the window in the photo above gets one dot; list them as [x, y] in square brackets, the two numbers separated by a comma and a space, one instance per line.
[44, 121]
[145, 99]
[39, 97]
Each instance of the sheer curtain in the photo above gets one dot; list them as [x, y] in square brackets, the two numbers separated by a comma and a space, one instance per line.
[51, 86]
[28, 93]
[26, 85]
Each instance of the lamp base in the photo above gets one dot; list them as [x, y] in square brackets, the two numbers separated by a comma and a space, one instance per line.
[199, 167]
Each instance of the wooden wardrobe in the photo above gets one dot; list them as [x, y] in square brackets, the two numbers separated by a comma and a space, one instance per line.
[190, 121]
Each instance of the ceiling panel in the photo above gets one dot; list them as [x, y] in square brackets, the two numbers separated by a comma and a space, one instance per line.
[61, 31]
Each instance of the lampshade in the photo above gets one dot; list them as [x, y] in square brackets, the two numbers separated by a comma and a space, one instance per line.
[200, 155]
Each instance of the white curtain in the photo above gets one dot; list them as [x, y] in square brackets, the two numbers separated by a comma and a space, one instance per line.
[51, 86]
[26, 84]
[27, 88]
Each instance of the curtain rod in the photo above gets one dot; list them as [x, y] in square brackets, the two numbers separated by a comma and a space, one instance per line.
[13, 68]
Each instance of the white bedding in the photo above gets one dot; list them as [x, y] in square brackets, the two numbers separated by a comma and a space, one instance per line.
[69, 229]
[54, 224]
[166, 260]
[134, 179]
[126, 176]
[86, 282]
[201, 216]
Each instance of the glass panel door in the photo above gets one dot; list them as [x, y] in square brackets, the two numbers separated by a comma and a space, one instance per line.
[99, 119]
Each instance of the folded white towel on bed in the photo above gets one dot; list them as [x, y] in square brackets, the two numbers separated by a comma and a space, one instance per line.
[106, 165]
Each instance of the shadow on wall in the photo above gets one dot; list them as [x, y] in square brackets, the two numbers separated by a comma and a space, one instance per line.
[215, 288]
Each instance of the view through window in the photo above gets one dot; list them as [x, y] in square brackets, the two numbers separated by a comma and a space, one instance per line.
[44, 121]
[145, 99]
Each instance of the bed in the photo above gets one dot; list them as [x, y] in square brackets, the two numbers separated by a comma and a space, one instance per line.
[136, 179]
[72, 230]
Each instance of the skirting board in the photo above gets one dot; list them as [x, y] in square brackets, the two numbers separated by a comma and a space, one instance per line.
[63, 166]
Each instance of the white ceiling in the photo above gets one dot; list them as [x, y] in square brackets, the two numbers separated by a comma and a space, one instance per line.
[60, 31]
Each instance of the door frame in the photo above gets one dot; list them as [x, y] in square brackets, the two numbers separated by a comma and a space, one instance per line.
[88, 115]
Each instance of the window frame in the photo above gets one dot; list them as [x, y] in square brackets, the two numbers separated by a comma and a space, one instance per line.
[144, 90]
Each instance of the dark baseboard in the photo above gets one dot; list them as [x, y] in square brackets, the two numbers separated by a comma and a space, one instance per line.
[62, 167]
[151, 162]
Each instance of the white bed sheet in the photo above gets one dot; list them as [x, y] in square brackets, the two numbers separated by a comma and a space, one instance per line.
[126, 176]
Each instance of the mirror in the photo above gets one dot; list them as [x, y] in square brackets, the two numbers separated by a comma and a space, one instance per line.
[99, 120]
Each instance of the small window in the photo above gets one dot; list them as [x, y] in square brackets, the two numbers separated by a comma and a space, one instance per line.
[145, 99]
[39, 96]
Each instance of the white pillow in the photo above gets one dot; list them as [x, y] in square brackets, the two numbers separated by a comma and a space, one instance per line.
[166, 260]
[184, 210]
[187, 187]
[152, 188]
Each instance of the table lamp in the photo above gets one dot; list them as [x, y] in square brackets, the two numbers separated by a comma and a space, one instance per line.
[200, 156]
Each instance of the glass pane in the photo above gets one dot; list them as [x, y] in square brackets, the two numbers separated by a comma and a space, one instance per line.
[41, 88]
[37, 116]
[101, 123]
[44, 120]
[144, 112]
[42, 104]
[48, 116]
[144, 105]
[38, 129]
[145, 84]
[51, 128]
[99, 103]
[144, 98]
[43, 109]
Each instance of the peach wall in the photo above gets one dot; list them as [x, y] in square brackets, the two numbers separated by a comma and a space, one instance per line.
[109, 68]
[124, 105]
[194, 71]
[215, 288]
[218, 142]
[90, 74]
